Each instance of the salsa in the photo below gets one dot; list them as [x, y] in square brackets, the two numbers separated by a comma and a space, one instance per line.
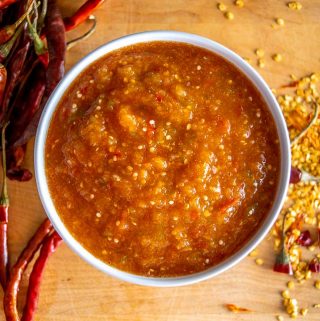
[162, 159]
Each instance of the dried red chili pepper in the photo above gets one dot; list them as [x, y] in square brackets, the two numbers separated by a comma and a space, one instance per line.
[8, 31]
[5, 49]
[6, 3]
[19, 174]
[297, 175]
[57, 49]
[314, 265]
[23, 111]
[44, 59]
[283, 264]
[82, 14]
[3, 81]
[56, 45]
[27, 106]
[15, 157]
[305, 238]
[49, 247]
[12, 288]
[14, 68]
[4, 207]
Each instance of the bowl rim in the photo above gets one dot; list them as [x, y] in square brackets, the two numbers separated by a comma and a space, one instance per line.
[175, 36]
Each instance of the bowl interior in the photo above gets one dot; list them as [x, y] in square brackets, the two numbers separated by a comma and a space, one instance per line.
[177, 37]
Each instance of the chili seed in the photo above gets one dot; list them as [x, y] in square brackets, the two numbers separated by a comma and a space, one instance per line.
[221, 6]
[239, 3]
[304, 311]
[279, 21]
[259, 52]
[285, 294]
[290, 285]
[253, 253]
[261, 63]
[98, 214]
[229, 15]
[294, 5]
[277, 57]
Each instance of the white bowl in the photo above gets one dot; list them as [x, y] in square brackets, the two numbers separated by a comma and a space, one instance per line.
[177, 37]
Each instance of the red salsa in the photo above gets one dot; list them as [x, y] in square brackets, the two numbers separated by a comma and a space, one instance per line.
[162, 159]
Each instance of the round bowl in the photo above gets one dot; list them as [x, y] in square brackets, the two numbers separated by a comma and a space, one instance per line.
[245, 68]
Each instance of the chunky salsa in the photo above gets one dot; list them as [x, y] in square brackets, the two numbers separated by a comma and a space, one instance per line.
[162, 159]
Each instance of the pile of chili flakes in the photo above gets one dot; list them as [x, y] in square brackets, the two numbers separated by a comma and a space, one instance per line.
[302, 208]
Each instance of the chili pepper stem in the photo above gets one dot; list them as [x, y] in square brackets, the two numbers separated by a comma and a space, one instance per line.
[5, 48]
[283, 263]
[86, 35]
[42, 15]
[39, 45]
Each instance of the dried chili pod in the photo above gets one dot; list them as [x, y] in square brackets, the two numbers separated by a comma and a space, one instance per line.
[298, 175]
[48, 248]
[57, 49]
[23, 111]
[15, 157]
[305, 238]
[295, 175]
[82, 14]
[14, 68]
[12, 288]
[8, 31]
[314, 265]
[56, 45]
[283, 264]
[28, 104]
[6, 3]
[5, 49]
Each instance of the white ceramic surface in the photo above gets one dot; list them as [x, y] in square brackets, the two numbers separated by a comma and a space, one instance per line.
[177, 37]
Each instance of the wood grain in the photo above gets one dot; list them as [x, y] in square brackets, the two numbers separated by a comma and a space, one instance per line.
[73, 290]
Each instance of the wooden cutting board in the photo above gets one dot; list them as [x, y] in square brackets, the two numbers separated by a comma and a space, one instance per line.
[73, 290]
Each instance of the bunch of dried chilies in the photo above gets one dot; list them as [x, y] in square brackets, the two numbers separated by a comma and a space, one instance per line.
[32, 62]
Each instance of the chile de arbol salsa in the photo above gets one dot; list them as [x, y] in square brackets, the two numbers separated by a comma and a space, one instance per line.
[162, 159]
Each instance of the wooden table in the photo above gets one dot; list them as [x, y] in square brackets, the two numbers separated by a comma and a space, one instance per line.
[73, 290]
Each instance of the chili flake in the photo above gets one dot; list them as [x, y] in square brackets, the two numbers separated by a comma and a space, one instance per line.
[236, 309]
[229, 15]
[294, 5]
[239, 3]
